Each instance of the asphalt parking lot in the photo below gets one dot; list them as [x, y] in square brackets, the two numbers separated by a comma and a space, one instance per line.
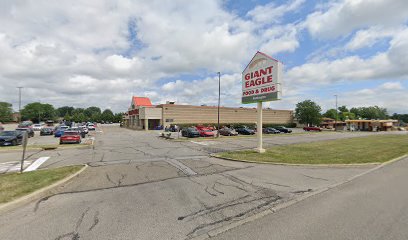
[141, 186]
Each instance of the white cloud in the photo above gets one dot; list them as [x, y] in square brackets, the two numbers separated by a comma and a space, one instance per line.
[391, 86]
[368, 37]
[272, 13]
[342, 17]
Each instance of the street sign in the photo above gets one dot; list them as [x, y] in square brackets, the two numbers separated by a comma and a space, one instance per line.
[261, 79]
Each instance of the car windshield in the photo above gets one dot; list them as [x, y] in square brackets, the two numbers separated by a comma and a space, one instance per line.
[37, 125]
[7, 133]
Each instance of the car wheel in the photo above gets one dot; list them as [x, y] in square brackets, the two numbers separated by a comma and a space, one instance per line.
[14, 143]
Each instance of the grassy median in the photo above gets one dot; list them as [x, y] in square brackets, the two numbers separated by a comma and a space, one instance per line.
[372, 149]
[14, 185]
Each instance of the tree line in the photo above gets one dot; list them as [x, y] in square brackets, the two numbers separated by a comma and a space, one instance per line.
[310, 113]
[38, 112]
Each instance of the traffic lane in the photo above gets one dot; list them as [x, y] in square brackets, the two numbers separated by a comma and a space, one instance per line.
[374, 206]
[150, 200]
[291, 179]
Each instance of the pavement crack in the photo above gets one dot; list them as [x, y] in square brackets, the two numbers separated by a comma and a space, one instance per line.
[81, 218]
[109, 179]
[230, 185]
[37, 205]
[95, 221]
[267, 202]
[324, 179]
[303, 191]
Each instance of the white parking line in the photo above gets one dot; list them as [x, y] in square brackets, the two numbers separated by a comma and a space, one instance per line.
[186, 170]
[14, 166]
[200, 143]
[36, 164]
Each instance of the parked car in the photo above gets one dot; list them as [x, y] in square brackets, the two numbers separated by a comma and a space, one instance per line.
[318, 129]
[37, 127]
[84, 129]
[70, 137]
[79, 130]
[228, 132]
[91, 126]
[11, 138]
[205, 132]
[25, 124]
[270, 130]
[30, 131]
[190, 132]
[283, 129]
[245, 131]
[46, 131]
[59, 131]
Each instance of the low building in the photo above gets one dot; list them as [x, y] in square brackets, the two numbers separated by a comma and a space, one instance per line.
[142, 113]
[330, 123]
[371, 125]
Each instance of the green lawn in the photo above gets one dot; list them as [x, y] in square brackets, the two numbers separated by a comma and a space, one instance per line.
[372, 149]
[14, 185]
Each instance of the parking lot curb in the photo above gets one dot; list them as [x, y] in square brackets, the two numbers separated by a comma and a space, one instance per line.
[38, 193]
[299, 164]
[222, 229]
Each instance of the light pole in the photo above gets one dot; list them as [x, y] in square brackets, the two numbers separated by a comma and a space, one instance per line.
[335, 120]
[219, 99]
[19, 103]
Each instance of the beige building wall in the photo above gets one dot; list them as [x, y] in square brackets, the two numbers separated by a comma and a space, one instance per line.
[179, 114]
[150, 113]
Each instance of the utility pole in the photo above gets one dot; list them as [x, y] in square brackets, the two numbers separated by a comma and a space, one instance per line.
[335, 120]
[219, 100]
[19, 103]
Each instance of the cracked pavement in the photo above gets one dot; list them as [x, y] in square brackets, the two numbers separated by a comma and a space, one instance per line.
[131, 189]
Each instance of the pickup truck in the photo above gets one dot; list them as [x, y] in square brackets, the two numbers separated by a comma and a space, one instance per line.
[312, 129]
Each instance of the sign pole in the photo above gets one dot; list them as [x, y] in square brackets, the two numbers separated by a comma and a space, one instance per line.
[260, 149]
[25, 140]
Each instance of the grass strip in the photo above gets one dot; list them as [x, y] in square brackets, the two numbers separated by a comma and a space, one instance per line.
[15, 185]
[372, 149]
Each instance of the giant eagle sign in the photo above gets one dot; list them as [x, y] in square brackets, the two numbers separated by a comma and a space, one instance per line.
[261, 82]
[261, 79]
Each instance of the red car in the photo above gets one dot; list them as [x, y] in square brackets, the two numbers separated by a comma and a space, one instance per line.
[70, 137]
[205, 131]
[312, 129]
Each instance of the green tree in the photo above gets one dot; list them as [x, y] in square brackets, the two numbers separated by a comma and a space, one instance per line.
[6, 112]
[89, 112]
[331, 113]
[308, 112]
[63, 111]
[118, 117]
[347, 116]
[38, 112]
[372, 112]
[343, 109]
[107, 116]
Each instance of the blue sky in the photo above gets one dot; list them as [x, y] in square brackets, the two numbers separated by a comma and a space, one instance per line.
[103, 52]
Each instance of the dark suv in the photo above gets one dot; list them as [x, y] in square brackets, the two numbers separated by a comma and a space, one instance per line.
[190, 132]
[282, 129]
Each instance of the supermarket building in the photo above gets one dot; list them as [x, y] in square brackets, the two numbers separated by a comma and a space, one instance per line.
[142, 114]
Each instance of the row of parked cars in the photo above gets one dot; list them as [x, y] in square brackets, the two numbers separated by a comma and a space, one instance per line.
[202, 131]
[67, 134]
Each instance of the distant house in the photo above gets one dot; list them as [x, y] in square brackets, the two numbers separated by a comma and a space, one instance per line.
[371, 125]
[330, 123]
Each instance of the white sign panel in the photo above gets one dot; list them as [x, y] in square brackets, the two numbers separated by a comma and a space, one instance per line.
[261, 79]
